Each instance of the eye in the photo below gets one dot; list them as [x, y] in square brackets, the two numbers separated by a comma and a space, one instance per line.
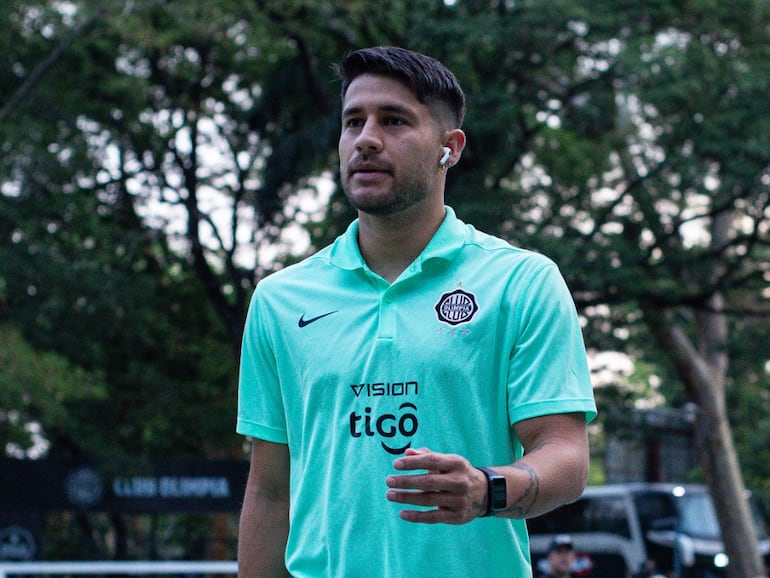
[353, 123]
[395, 121]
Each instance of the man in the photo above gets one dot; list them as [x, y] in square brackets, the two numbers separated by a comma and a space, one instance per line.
[561, 558]
[378, 375]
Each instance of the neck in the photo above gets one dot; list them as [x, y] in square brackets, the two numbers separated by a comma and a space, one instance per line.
[390, 244]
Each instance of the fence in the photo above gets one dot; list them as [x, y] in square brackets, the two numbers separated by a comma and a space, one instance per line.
[131, 568]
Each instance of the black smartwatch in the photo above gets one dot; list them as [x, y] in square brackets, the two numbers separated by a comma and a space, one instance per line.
[497, 496]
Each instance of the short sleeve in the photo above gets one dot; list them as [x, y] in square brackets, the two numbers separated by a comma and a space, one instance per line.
[260, 404]
[547, 371]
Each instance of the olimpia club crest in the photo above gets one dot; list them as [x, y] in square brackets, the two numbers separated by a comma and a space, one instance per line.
[456, 307]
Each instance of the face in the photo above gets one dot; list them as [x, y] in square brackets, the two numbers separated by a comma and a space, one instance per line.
[389, 147]
[561, 560]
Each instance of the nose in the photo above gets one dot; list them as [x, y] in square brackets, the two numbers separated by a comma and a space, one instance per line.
[369, 139]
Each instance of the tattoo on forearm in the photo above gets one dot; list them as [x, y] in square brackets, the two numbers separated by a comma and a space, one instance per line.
[522, 506]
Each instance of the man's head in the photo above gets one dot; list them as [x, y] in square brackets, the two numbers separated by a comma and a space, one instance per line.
[401, 111]
[561, 555]
[432, 83]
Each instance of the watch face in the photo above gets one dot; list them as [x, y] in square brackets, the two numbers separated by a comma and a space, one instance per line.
[498, 497]
[496, 488]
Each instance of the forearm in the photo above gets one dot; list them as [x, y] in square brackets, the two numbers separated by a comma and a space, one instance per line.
[264, 525]
[546, 477]
[263, 532]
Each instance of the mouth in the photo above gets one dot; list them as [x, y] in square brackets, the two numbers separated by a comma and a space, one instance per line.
[366, 168]
[368, 176]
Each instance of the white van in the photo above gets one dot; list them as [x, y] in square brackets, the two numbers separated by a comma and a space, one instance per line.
[620, 526]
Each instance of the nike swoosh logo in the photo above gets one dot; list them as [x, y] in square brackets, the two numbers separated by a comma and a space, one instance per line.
[303, 322]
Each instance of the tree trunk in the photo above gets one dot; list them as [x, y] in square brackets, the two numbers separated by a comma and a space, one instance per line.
[718, 459]
[703, 372]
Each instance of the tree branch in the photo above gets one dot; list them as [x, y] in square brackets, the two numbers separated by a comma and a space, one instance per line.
[47, 63]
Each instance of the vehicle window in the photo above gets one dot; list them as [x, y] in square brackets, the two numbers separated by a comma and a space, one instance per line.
[759, 521]
[654, 508]
[589, 514]
[697, 516]
[699, 519]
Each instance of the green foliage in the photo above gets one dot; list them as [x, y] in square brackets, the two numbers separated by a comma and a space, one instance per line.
[748, 398]
[39, 388]
[611, 136]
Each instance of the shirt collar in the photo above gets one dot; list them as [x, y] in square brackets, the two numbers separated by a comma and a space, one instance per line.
[445, 244]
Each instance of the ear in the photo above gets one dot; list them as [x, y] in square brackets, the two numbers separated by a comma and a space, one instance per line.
[454, 140]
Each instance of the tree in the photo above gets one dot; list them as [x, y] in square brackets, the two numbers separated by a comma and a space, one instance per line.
[653, 134]
[38, 388]
[82, 274]
[625, 139]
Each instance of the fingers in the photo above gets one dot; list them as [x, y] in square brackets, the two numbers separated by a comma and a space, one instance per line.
[433, 481]
[447, 483]
[416, 451]
[424, 459]
[446, 507]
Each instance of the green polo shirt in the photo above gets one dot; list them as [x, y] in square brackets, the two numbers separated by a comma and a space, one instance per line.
[350, 370]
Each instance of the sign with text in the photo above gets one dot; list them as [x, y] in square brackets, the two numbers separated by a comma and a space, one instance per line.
[177, 485]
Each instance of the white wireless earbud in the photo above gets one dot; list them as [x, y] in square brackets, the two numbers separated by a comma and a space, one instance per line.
[447, 153]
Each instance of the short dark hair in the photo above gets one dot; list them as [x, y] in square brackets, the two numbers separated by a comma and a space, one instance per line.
[431, 81]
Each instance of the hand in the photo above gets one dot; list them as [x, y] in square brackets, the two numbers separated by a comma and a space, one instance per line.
[456, 490]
